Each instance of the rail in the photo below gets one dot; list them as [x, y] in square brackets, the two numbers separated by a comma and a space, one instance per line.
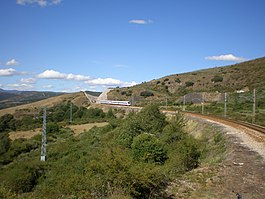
[255, 127]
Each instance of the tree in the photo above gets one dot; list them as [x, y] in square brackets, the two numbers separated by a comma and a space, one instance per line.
[147, 148]
[4, 122]
[151, 119]
[4, 142]
[174, 130]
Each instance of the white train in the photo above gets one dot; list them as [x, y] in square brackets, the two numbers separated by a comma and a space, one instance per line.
[112, 102]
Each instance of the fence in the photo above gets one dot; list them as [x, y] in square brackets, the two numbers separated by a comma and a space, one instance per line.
[246, 106]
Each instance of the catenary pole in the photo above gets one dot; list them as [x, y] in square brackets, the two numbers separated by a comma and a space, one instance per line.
[225, 108]
[44, 140]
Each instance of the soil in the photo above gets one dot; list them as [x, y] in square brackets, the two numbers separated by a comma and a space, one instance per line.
[242, 170]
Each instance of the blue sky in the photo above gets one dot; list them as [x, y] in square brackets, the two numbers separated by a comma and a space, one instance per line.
[73, 45]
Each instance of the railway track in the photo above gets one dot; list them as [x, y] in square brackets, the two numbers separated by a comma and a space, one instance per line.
[254, 127]
[255, 131]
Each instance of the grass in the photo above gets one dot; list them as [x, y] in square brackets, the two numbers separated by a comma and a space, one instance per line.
[77, 130]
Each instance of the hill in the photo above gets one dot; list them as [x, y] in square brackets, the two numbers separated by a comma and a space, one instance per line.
[78, 99]
[11, 98]
[243, 76]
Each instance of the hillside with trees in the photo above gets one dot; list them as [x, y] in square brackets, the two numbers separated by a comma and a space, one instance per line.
[135, 157]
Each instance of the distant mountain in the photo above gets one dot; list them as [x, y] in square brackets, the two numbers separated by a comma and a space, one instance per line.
[11, 98]
[243, 76]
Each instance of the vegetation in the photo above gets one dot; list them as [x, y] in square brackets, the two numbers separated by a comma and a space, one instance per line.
[131, 158]
[188, 84]
[146, 93]
[217, 79]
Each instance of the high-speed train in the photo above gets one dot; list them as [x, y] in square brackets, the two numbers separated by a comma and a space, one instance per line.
[112, 102]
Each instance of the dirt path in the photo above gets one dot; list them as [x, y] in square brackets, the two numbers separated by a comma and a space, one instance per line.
[243, 169]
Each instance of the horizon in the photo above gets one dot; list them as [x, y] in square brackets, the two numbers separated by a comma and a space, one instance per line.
[68, 46]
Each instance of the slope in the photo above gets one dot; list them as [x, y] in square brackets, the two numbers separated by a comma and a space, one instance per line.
[243, 76]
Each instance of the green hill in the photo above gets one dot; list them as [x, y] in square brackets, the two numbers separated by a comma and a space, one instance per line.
[243, 76]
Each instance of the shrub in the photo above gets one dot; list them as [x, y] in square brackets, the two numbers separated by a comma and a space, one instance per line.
[128, 131]
[5, 122]
[146, 94]
[189, 152]
[52, 128]
[123, 93]
[4, 142]
[151, 119]
[158, 82]
[177, 80]
[173, 131]
[188, 84]
[217, 79]
[147, 148]
[23, 177]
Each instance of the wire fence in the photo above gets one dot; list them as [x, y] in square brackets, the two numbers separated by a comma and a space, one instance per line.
[248, 106]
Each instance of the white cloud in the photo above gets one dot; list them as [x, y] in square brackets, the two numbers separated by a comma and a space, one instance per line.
[8, 72]
[20, 86]
[109, 82]
[227, 57]
[51, 74]
[28, 80]
[140, 21]
[12, 62]
[41, 3]
[77, 77]
[47, 86]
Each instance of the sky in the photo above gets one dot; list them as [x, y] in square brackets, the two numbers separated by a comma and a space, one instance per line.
[73, 45]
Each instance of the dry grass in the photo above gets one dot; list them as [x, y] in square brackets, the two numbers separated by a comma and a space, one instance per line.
[24, 134]
[78, 129]
[76, 98]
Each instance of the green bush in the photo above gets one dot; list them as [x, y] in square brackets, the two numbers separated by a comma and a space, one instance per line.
[4, 142]
[188, 84]
[52, 128]
[147, 148]
[177, 80]
[217, 79]
[128, 131]
[22, 177]
[5, 121]
[151, 119]
[189, 151]
[146, 93]
[173, 132]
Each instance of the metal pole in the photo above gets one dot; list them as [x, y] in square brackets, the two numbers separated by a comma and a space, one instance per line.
[184, 103]
[202, 103]
[71, 113]
[254, 105]
[166, 102]
[225, 111]
[44, 140]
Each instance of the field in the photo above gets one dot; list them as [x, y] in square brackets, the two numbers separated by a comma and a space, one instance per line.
[77, 130]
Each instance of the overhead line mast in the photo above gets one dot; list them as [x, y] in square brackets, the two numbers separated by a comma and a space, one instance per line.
[44, 140]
